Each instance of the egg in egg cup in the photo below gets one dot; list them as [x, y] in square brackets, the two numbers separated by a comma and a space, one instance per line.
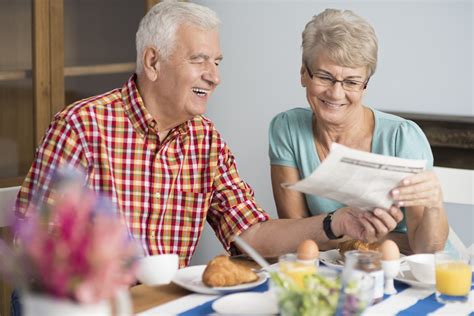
[390, 264]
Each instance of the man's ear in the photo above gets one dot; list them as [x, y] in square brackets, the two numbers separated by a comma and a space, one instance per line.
[151, 63]
[303, 70]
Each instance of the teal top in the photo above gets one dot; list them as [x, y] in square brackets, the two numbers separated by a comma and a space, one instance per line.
[292, 145]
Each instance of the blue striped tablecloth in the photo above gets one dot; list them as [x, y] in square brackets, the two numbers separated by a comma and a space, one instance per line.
[408, 301]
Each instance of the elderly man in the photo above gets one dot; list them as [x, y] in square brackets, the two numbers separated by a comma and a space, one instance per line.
[148, 147]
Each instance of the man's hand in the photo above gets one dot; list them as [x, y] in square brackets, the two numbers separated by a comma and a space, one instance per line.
[365, 225]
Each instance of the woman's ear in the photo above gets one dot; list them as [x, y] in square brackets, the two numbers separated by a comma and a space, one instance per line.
[302, 76]
[151, 64]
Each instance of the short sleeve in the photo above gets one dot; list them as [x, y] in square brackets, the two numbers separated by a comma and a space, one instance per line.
[281, 149]
[412, 143]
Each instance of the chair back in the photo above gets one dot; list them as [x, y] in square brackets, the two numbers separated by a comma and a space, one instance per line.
[457, 185]
[7, 199]
[458, 195]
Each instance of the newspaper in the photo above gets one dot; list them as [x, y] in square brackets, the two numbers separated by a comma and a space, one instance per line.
[356, 178]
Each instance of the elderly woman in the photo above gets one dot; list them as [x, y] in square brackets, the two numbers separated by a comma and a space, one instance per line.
[339, 57]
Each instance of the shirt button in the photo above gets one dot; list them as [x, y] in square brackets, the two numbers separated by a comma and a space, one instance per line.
[152, 234]
[157, 195]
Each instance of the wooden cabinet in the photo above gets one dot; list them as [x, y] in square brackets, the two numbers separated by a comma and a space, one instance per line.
[16, 90]
[55, 52]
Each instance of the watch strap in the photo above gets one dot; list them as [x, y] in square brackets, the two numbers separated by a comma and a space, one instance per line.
[327, 227]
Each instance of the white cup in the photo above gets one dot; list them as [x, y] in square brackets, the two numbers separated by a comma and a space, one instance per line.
[157, 269]
[422, 266]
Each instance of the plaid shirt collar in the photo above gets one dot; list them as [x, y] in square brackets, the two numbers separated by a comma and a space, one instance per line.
[142, 121]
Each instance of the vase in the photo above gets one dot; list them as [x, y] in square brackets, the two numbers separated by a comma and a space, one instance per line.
[41, 304]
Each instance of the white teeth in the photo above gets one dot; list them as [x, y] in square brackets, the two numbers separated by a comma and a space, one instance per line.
[332, 104]
[200, 92]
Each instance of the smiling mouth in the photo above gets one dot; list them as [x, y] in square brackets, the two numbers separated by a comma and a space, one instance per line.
[200, 92]
[332, 105]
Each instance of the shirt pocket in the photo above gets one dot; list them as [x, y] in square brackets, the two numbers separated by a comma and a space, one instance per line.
[189, 209]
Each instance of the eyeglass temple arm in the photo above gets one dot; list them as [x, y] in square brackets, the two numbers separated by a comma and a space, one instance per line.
[366, 83]
[310, 73]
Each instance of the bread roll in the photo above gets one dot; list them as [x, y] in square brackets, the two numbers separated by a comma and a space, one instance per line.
[220, 271]
[356, 245]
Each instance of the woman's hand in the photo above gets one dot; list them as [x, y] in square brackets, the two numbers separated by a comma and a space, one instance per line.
[427, 225]
[422, 189]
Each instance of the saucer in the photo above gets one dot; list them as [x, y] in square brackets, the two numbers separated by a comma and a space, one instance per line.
[405, 276]
[250, 303]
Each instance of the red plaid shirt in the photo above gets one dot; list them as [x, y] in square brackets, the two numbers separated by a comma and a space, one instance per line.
[164, 190]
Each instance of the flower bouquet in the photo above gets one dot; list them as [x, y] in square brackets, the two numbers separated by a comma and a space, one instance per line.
[74, 248]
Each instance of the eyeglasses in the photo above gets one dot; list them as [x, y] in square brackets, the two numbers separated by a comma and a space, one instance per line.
[329, 81]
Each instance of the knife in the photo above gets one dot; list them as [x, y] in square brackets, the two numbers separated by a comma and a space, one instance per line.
[243, 245]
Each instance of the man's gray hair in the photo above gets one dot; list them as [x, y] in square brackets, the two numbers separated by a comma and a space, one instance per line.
[159, 26]
[345, 37]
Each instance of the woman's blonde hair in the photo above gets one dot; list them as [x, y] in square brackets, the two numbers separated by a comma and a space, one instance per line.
[346, 38]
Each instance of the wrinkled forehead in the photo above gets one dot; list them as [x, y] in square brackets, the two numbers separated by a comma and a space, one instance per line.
[190, 35]
[323, 61]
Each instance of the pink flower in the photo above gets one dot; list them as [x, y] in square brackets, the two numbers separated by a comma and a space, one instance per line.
[76, 249]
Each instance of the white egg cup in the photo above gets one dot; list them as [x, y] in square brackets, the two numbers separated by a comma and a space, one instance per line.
[390, 270]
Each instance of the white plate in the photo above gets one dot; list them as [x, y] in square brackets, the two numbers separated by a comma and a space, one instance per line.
[332, 259]
[405, 276]
[250, 303]
[190, 278]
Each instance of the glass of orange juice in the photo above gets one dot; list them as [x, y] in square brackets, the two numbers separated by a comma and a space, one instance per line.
[453, 277]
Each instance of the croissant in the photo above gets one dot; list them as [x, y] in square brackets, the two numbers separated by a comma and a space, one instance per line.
[220, 271]
[356, 245]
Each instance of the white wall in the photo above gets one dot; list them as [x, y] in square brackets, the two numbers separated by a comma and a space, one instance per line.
[425, 66]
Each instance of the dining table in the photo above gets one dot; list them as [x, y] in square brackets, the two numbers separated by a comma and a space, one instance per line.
[171, 299]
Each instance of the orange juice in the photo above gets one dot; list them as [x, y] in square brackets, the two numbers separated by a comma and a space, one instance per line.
[296, 271]
[453, 278]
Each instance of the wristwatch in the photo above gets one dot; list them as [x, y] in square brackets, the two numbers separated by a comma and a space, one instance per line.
[327, 227]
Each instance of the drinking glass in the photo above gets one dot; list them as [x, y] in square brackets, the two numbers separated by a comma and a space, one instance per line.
[298, 286]
[296, 269]
[362, 280]
[453, 277]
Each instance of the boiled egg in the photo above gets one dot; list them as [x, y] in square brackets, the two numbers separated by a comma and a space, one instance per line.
[308, 250]
[389, 250]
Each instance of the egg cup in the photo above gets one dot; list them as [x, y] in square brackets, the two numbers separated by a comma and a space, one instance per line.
[390, 270]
